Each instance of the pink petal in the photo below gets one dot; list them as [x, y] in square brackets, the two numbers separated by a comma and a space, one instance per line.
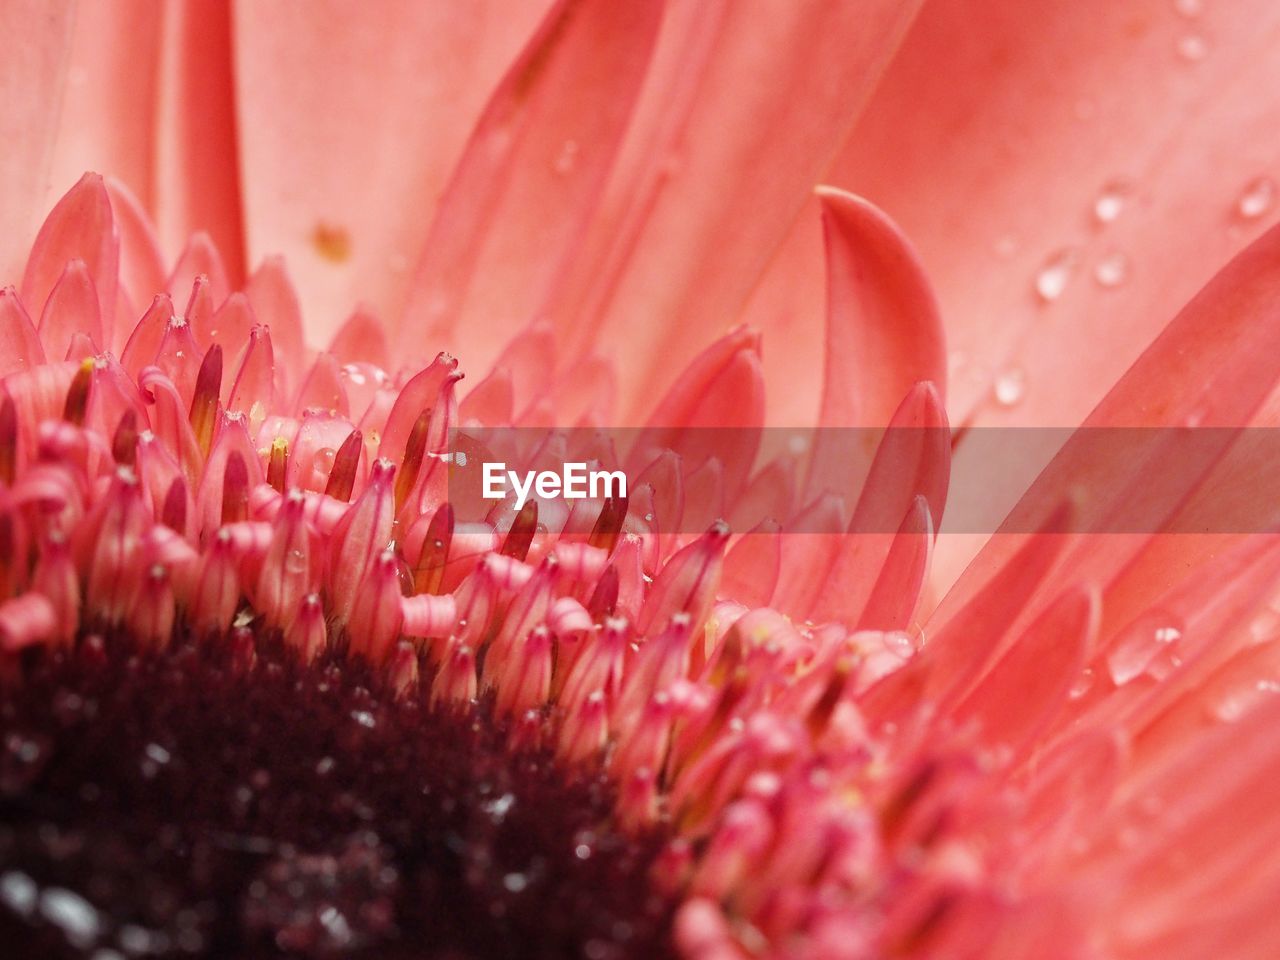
[80, 227]
[913, 460]
[230, 325]
[361, 338]
[994, 176]
[275, 304]
[688, 223]
[108, 106]
[896, 593]
[40, 40]
[322, 387]
[72, 309]
[1023, 692]
[200, 258]
[196, 171]
[143, 343]
[968, 640]
[1214, 365]
[305, 91]
[142, 266]
[512, 217]
[714, 409]
[20, 347]
[884, 334]
[253, 390]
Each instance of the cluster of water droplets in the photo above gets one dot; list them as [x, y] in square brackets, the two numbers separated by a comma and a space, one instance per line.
[1191, 45]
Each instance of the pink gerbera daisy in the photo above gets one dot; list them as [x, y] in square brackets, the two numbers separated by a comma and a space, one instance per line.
[275, 679]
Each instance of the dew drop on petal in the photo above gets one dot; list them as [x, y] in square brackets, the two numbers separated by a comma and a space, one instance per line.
[1054, 275]
[1111, 199]
[1010, 387]
[1146, 644]
[1112, 270]
[1236, 701]
[1188, 8]
[1192, 47]
[900, 643]
[1258, 196]
[1084, 683]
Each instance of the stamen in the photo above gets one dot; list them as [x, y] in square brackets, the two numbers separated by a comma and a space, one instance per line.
[826, 705]
[520, 536]
[402, 671]
[414, 450]
[376, 617]
[124, 443]
[218, 588]
[428, 575]
[456, 683]
[609, 524]
[8, 440]
[174, 512]
[77, 404]
[342, 475]
[278, 464]
[204, 402]
[307, 634]
[235, 489]
[604, 598]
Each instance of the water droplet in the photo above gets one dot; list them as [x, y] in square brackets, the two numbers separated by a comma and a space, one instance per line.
[1084, 683]
[157, 753]
[582, 851]
[1109, 203]
[1010, 387]
[900, 643]
[295, 561]
[1233, 703]
[1257, 198]
[18, 892]
[1192, 47]
[364, 718]
[515, 882]
[499, 808]
[324, 457]
[568, 158]
[1112, 270]
[1145, 645]
[72, 914]
[1188, 8]
[1055, 274]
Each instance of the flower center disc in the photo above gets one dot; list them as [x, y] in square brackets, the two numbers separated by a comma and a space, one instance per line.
[180, 803]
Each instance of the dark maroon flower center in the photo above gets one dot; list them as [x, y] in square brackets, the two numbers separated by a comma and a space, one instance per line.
[182, 804]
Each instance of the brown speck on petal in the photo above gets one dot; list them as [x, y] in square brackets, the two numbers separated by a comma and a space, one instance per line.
[331, 241]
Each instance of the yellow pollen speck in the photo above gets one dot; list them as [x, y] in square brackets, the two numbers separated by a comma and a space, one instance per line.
[331, 241]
